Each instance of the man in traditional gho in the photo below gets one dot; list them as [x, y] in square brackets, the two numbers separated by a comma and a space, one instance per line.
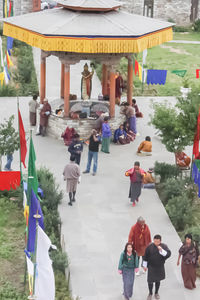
[44, 117]
[76, 148]
[33, 105]
[140, 237]
[71, 174]
[86, 83]
[154, 260]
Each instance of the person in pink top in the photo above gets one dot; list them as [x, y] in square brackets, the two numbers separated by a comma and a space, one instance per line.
[136, 175]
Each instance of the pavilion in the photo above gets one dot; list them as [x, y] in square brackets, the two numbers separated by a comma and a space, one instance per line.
[89, 30]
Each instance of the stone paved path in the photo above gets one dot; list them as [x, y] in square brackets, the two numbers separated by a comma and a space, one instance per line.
[96, 228]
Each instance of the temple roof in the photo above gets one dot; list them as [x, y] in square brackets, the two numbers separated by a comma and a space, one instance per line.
[62, 29]
[90, 5]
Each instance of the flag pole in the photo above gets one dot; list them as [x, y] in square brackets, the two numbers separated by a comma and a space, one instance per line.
[37, 217]
[19, 143]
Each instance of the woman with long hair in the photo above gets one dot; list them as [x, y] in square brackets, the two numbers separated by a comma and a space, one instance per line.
[190, 254]
[128, 264]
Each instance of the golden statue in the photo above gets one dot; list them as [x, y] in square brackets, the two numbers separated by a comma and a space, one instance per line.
[86, 82]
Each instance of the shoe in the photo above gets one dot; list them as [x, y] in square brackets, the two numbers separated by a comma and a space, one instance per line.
[137, 273]
[73, 200]
[85, 172]
[157, 296]
[137, 199]
[149, 297]
[93, 174]
[70, 203]
[133, 204]
[38, 133]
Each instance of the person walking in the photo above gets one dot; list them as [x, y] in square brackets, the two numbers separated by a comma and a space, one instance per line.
[106, 135]
[93, 152]
[140, 238]
[128, 263]
[76, 148]
[136, 175]
[44, 117]
[190, 254]
[71, 174]
[154, 260]
[33, 105]
[8, 163]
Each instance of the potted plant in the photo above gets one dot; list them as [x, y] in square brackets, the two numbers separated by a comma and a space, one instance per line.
[185, 89]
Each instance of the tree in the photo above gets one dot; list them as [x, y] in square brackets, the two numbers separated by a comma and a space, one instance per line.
[9, 138]
[177, 125]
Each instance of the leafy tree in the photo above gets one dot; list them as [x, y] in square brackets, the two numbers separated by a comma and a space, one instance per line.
[177, 125]
[9, 138]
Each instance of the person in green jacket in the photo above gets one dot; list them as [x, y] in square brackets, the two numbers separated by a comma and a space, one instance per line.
[128, 265]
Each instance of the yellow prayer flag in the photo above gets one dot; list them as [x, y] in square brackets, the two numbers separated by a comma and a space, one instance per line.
[140, 72]
[10, 63]
[6, 9]
[2, 78]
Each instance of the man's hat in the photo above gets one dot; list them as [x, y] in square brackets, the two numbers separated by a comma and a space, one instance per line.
[151, 170]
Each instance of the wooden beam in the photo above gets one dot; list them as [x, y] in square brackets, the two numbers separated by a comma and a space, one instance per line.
[66, 90]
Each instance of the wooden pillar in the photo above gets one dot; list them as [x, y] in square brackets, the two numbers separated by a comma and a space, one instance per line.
[62, 81]
[104, 80]
[130, 81]
[42, 79]
[66, 89]
[112, 93]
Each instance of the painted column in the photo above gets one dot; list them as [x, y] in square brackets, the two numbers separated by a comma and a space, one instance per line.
[104, 80]
[42, 79]
[62, 81]
[112, 93]
[130, 81]
[66, 89]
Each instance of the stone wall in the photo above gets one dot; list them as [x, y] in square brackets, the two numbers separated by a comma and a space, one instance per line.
[178, 10]
[57, 125]
[20, 7]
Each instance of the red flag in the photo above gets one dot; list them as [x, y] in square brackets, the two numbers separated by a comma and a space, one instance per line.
[196, 138]
[136, 67]
[197, 73]
[10, 9]
[9, 180]
[23, 147]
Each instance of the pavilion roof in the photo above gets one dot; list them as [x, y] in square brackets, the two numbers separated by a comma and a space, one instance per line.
[62, 29]
[90, 5]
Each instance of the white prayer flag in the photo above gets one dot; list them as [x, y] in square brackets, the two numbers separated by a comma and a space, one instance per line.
[44, 280]
[1, 53]
[30, 268]
[144, 57]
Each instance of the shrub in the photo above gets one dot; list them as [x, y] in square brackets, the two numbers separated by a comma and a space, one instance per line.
[7, 91]
[180, 211]
[196, 25]
[8, 292]
[180, 29]
[60, 262]
[166, 170]
[172, 187]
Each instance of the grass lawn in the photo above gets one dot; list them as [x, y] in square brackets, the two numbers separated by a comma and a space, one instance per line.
[187, 36]
[170, 56]
[12, 258]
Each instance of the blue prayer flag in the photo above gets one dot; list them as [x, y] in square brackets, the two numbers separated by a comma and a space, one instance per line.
[156, 76]
[33, 209]
[9, 42]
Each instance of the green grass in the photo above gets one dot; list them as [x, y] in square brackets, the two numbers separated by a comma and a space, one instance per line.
[11, 245]
[174, 56]
[187, 36]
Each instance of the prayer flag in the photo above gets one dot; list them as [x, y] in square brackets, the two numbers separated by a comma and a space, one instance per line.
[1, 52]
[136, 67]
[156, 76]
[9, 43]
[22, 136]
[10, 12]
[197, 73]
[6, 79]
[140, 72]
[2, 78]
[196, 138]
[180, 73]
[32, 173]
[44, 280]
[7, 73]
[144, 57]
[30, 269]
[34, 208]
[5, 9]
[9, 61]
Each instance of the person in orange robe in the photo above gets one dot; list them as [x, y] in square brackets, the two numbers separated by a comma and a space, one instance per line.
[140, 237]
[182, 160]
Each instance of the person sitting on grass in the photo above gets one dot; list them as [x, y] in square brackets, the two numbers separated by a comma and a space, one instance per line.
[182, 160]
[145, 147]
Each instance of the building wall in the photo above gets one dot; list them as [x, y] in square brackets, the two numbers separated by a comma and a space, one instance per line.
[20, 7]
[177, 10]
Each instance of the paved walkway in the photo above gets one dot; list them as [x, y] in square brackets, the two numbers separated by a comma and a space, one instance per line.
[185, 42]
[96, 228]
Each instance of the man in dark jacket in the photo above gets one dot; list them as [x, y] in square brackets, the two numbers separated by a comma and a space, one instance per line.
[154, 259]
[75, 148]
[93, 152]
